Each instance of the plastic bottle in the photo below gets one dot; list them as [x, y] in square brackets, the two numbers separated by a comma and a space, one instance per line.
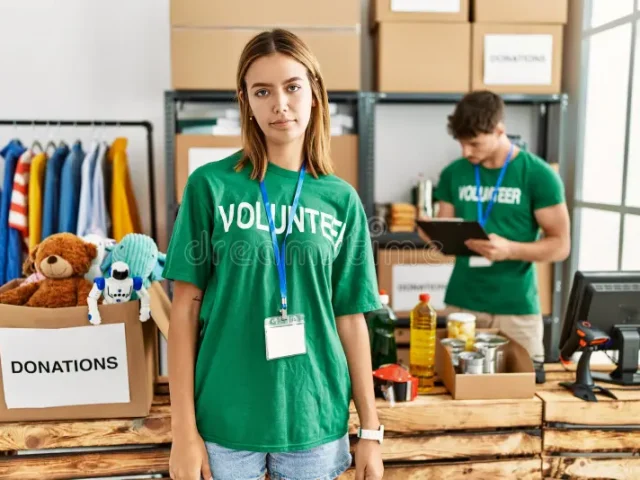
[382, 325]
[422, 349]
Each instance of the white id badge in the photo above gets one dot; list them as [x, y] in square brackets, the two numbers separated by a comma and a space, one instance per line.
[479, 262]
[285, 336]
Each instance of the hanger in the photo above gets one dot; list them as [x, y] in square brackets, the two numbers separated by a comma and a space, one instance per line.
[75, 127]
[50, 143]
[61, 143]
[35, 142]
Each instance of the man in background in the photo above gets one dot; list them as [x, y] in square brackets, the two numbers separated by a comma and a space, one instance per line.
[515, 195]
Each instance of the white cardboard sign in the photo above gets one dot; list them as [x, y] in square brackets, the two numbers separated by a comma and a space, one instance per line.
[201, 156]
[434, 6]
[409, 281]
[518, 59]
[44, 367]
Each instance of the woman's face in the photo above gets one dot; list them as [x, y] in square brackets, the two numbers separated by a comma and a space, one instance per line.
[280, 97]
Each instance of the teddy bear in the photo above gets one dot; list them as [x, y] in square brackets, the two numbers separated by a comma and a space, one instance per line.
[63, 259]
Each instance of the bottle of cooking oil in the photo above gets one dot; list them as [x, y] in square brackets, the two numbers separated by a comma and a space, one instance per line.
[422, 348]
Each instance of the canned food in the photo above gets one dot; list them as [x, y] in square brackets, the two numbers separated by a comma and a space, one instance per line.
[492, 339]
[455, 348]
[462, 326]
[471, 362]
[492, 347]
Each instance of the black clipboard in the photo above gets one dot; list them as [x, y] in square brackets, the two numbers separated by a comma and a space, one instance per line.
[448, 236]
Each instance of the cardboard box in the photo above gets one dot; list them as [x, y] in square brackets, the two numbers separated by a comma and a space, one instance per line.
[516, 58]
[520, 11]
[518, 382]
[423, 57]
[195, 150]
[199, 62]
[258, 13]
[406, 273]
[419, 11]
[77, 366]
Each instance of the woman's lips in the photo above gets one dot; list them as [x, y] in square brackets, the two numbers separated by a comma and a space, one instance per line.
[282, 123]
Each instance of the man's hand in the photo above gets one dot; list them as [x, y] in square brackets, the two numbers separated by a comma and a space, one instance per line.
[369, 464]
[495, 249]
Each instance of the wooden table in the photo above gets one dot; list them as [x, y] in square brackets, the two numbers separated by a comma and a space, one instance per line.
[433, 437]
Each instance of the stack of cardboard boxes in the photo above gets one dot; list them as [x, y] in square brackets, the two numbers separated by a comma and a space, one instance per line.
[421, 46]
[430, 46]
[517, 45]
[207, 38]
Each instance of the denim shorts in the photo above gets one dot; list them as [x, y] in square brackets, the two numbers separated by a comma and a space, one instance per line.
[325, 462]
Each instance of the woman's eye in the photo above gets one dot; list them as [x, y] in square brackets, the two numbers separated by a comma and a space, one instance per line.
[261, 93]
[293, 88]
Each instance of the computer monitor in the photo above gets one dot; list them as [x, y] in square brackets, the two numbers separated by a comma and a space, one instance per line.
[609, 301]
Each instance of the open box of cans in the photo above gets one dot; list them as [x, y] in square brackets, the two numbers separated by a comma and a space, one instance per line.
[492, 366]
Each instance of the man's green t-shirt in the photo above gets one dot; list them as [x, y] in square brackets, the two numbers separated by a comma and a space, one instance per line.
[221, 243]
[507, 287]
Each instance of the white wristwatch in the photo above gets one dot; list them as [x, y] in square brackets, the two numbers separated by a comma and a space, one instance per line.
[372, 434]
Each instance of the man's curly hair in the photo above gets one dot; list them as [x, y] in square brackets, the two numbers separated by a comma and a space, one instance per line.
[477, 113]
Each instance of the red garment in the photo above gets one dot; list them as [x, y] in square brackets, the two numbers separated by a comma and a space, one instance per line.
[19, 211]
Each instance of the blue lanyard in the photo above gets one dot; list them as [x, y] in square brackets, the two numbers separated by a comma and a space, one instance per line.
[482, 218]
[279, 252]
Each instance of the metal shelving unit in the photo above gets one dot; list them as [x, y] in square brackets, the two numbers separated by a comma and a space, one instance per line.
[549, 147]
[551, 110]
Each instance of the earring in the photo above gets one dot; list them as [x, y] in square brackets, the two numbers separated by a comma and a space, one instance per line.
[250, 117]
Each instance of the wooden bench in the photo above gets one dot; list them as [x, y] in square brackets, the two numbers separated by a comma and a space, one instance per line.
[553, 435]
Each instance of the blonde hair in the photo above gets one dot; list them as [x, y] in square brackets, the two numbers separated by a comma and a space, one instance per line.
[316, 148]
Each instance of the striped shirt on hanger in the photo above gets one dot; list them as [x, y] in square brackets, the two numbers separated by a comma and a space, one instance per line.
[19, 210]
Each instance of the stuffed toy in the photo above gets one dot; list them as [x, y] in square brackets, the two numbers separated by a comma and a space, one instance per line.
[101, 244]
[118, 288]
[63, 259]
[141, 254]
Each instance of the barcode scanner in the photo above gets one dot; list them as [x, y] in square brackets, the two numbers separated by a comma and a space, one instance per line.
[587, 339]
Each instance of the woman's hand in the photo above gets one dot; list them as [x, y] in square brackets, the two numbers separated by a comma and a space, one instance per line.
[189, 458]
[368, 460]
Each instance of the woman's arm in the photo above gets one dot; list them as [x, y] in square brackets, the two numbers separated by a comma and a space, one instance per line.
[189, 458]
[181, 353]
[354, 336]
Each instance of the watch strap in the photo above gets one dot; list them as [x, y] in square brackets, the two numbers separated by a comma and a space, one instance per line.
[371, 434]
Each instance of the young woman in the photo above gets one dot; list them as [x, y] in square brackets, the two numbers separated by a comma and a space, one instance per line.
[273, 268]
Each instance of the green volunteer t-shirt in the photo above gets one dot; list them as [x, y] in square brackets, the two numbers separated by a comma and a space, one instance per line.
[507, 287]
[221, 243]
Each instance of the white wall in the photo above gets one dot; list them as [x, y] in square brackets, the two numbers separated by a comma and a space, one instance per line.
[412, 139]
[78, 59]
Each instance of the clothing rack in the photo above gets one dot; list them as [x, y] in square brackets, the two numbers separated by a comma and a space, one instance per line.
[108, 123]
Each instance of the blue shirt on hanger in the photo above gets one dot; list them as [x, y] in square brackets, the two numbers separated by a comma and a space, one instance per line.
[51, 203]
[11, 154]
[86, 194]
[70, 182]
